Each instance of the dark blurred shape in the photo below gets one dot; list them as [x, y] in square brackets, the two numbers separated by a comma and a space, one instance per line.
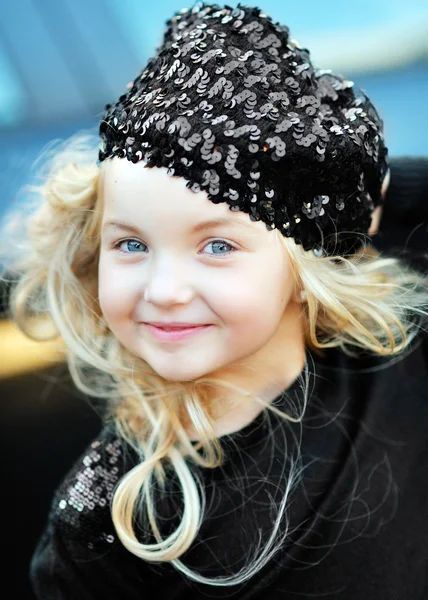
[409, 189]
[5, 288]
[44, 425]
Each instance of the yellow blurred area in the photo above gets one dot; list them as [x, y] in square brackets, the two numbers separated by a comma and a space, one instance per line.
[20, 354]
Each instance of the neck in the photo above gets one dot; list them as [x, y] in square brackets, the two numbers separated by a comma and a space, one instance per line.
[265, 374]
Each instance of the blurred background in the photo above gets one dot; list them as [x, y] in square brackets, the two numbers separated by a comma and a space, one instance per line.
[60, 63]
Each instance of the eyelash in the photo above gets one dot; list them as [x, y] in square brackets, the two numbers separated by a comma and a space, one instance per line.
[118, 244]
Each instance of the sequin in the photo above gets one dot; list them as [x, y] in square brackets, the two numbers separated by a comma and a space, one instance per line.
[227, 86]
[81, 504]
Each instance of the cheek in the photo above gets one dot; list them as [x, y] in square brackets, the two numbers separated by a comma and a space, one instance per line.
[255, 299]
[115, 291]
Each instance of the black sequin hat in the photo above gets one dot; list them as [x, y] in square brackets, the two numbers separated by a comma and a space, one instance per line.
[234, 105]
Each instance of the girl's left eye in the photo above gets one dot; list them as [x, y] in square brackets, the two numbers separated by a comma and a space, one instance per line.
[221, 243]
[136, 243]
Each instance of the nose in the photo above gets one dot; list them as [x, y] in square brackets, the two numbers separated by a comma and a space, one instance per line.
[167, 284]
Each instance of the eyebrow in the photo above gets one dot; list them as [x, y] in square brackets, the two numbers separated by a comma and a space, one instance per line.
[221, 222]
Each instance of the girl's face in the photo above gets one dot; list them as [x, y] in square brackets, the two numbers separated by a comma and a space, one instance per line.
[164, 259]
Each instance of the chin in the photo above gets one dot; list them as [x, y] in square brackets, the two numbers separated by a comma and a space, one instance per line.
[182, 365]
[176, 373]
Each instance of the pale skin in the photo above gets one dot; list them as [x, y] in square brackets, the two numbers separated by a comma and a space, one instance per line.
[159, 269]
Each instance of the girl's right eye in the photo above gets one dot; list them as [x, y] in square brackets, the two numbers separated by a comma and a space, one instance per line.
[129, 242]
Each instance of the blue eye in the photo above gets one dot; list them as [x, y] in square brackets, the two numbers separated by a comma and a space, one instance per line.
[128, 242]
[133, 247]
[221, 243]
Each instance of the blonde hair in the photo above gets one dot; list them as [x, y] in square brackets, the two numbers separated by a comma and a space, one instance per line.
[365, 300]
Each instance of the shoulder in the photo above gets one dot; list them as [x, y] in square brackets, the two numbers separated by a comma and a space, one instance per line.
[80, 509]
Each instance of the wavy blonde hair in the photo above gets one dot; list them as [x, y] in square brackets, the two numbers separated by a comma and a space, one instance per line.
[364, 301]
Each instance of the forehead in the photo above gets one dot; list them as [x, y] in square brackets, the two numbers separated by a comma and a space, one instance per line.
[132, 189]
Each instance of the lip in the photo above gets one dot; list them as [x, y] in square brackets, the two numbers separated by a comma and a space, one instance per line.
[179, 325]
[175, 335]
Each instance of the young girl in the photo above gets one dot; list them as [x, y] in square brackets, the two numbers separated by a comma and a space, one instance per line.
[262, 367]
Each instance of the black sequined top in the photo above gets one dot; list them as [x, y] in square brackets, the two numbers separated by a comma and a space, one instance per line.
[357, 518]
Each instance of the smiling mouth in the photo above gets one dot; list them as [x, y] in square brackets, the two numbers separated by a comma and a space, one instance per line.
[176, 328]
[172, 334]
[173, 325]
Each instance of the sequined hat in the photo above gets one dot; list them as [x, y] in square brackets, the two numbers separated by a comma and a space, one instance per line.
[234, 105]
